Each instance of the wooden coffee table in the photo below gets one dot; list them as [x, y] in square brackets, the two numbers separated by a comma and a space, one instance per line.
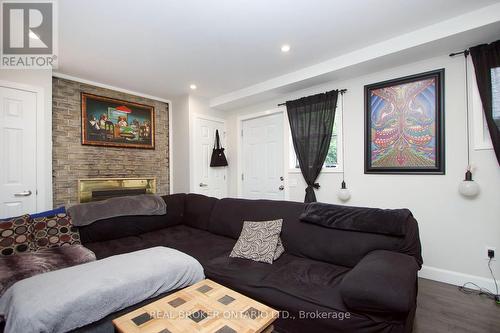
[203, 307]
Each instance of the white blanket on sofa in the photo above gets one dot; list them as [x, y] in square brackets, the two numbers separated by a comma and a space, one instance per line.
[73, 297]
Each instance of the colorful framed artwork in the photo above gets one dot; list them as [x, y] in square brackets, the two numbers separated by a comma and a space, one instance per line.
[404, 125]
[115, 123]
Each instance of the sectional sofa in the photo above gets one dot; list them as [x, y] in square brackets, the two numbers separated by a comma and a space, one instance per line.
[328, 280]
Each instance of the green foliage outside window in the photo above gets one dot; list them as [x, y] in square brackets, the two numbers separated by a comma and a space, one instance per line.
[331, 157]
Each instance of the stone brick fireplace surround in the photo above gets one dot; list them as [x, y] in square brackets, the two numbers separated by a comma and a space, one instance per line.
[72, 161]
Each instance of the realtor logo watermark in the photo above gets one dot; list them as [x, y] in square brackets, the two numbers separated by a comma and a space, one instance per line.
[28, 35]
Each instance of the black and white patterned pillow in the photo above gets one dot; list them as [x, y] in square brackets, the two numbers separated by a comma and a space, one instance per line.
[280, 249]
[259, 241]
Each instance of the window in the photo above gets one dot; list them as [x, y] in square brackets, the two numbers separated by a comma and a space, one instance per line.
[495, 92]
[333, 158]
[481, 134]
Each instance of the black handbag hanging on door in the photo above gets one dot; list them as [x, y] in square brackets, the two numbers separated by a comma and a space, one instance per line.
[218, 157]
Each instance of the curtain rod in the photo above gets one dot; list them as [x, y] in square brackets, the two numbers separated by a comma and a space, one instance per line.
[341, 91]
[464, 52]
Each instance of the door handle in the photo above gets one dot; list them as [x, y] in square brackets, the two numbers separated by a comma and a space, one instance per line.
[203, 185]
[23, 194]
[281, 188]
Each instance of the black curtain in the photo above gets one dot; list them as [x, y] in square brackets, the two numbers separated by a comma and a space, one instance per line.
[311, 123]
[485, 58]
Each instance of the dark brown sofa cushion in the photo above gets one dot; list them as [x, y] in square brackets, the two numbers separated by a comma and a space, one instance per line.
[198, 209]
[374, 220]
[127, 226]
[384, 281]
[345, 248]
[299, 285]
[229, 214]
[198, 243]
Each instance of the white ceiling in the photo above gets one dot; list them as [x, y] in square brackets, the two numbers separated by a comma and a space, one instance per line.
[159, 47]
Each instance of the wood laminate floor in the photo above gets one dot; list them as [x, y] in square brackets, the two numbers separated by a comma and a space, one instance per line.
[443, 308]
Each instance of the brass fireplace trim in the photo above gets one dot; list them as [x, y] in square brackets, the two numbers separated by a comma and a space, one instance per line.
[87, 186]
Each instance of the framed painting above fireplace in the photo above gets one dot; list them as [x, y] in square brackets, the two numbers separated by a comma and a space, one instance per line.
[404, 125]
[116, 123]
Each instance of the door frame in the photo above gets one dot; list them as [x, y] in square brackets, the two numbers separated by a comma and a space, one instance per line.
[239, 129]
[170, 140]
[192, 142]
[43, 148]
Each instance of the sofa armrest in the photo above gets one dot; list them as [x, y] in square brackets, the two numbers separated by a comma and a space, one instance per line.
[383, 281]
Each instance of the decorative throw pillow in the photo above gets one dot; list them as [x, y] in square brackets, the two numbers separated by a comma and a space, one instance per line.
[280, 249]
[258, 241]
[54, 231]
[15, 235]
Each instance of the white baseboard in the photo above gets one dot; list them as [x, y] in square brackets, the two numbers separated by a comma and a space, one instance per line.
[456, 278]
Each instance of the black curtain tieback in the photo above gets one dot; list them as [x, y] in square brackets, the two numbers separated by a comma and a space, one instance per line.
[315, 185]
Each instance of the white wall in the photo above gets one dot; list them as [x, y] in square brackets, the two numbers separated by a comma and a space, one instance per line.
[200, 105]
[40, 79]
[180, 144]
[184, 109]
[454, 231]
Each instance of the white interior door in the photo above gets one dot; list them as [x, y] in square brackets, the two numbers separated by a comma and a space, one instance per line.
[211, 181]
[262, 158]
[17, 152]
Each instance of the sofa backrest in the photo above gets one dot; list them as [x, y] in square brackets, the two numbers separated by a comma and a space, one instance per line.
[226, 216]
[340, 247]
[197, 210]
[124, 226]
[229, 214]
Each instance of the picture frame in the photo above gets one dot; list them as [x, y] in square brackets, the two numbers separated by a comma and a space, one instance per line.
[111, 122]
[404, 125]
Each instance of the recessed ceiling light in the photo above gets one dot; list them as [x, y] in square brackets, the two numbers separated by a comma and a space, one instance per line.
[193, 86]
[285, 48]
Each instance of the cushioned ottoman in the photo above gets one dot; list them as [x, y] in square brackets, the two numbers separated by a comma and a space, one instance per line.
[76, 296]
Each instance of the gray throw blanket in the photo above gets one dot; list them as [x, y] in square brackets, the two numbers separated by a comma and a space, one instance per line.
[144, 204]
[24, 265]
[73, 297]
